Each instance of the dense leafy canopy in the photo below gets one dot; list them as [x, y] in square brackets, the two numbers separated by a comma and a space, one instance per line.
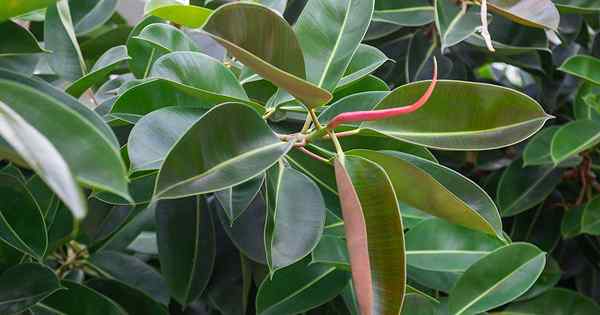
[297, 157]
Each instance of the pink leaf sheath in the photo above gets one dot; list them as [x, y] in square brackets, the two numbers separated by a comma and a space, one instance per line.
[386, 113]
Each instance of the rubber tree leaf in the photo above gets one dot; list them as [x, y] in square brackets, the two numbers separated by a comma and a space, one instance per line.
[89, 153]
[486, 117]
[404, 13]
[59, 37]
[24, 285]
[329, 32]
[172, 10]
[14, 8]
[496, 279]
[153, 136]
[454, 23]
[43, 158]
[538, 150]
[590, 220]
[437, 190]
[263, 41]
[418, 304]
[521, 188]
[546, 282]
[246, 148]
[365, 61]
[199, 71]
[577, 6]
[437, 245]
[574, 138]
[129, 298]
[581, 108]
[21, 220]
[582, 66]
[331, 250]
[299, 288]
[140, 189]
[17, 40]
[559, 301]
[89, 15]
[235, 200]
[105, 65]
[533, 13]
[374, 235]
[90, 302]
[186, 246]
[133, 272]
[295, 217]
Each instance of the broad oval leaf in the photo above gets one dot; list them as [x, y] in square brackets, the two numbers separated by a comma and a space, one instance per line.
[365, 61]
[461, 202]
[89, 301]
[299, 288]
[295, 216]
[557, 301]
[17, 40]
[199, 71]
[441, 246]
[496, 279]
[172, 10]
[454, 23]
[329, 32]
[538, 150]
[14, 8]
[89, 15]
[577, 6]
[374, 234]
[43, 158]
[21, 220]
[245, 147]
[462, 116]
[93, 159]
[534, 13]
[186, 246]
[404, 13]
[24, 285]
[133, 272]
[521, 188]
[582, 66]
[574, 138]
[235, 200]
[129, 298]
[265, 42]
[590, 218]
[105, 65]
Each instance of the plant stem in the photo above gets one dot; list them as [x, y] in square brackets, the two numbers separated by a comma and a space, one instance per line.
[338, 146]
[315, 119]
[313, 155]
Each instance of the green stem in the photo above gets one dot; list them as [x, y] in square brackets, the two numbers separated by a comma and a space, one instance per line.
[338, 146]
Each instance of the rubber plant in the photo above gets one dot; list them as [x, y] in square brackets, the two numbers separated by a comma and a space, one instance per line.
[246, 157]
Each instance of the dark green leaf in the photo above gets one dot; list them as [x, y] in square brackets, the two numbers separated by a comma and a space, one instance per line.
[24, 285]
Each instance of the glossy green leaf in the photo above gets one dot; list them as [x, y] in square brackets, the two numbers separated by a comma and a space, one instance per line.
[100, 71]
[533, 13]
[186, 246]
[574, 138]
[582, 66]
[59, 37]
[133, 272]
[89, 15]
[521, 188]
[366, 60]
[295, 217]
[547, 280]
[440, 246]
[443, 193]
[281, 61]
[571, 222]
[153, 136]
[438, 280]
[199, 71]
[416, 304]
[404, 13]
[454, 23]
[9, 9]
[374, 233]
[577, 6]
[21, 220]
[496, 279]
[17, 40]
[172, 10]
[167, 37]
[299, 288]
[138, 219]
[329, 32]
[43, 157]
[590, 219]
[24, 285]
[539, 226]
[538, 150]
[140, 189]
[247, 147]
[581, 108]
[235, 200]
[557, 301]
[129, 298]
[90, 155]
[89, 301]
[331, 250]
[482, 117]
